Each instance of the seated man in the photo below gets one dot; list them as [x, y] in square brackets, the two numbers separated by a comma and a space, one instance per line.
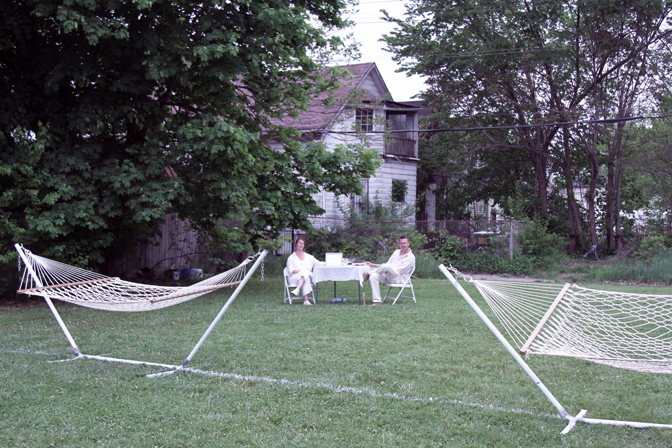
[396, 270]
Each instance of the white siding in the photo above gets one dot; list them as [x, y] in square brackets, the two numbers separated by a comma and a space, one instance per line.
[346, 124]
[369, 85]
[381, 184]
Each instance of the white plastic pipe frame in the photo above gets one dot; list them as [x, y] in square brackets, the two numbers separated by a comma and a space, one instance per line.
[173, 368]
[563, 413]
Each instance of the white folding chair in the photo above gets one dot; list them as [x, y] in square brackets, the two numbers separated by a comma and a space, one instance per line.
[288, 297]
[402, 286]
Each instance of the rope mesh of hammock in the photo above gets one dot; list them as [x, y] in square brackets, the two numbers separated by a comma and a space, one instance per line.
[86, 288]
[624, 330]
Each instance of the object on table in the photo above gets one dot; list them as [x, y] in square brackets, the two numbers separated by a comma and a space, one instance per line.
[333, 259]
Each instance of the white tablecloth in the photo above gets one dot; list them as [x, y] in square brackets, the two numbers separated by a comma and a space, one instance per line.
[339, 273]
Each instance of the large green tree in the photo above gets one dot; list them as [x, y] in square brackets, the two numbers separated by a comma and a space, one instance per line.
[522, 64]
[115, 112]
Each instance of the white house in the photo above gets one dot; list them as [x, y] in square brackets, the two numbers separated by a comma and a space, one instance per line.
[179, 246]
[363, 102]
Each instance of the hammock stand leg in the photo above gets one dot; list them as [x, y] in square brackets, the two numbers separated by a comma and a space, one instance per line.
[216, 320]
[506, 344]
[38, 282]
[563, 413]
[62, 325]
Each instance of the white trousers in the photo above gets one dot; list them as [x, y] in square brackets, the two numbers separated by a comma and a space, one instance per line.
[307, 287]
[384, 274]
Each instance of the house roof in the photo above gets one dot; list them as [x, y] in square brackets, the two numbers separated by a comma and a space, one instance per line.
[320, 115]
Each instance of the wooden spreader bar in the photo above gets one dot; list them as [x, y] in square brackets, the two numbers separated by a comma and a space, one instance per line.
[544, 319]
[66, 285]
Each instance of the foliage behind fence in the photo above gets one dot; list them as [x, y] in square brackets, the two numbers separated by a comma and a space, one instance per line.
[370, 239]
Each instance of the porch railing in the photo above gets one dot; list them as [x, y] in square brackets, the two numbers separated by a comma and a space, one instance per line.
[404, 147]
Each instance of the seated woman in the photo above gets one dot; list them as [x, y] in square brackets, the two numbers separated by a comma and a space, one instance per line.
[300, 266]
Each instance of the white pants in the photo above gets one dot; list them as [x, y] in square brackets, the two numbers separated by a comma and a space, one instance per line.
[307, 287]
[384, 274]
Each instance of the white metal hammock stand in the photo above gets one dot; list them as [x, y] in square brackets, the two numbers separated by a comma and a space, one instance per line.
[54, 280]
[651, 350]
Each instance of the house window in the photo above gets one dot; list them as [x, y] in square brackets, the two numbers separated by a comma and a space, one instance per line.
[399, 188]
[359, 203]
[364, 119]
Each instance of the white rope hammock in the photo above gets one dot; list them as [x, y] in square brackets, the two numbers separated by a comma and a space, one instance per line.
[54, 280]
[90, 289]
[629, 331]
[624, 330]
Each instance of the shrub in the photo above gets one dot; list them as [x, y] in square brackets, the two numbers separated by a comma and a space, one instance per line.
[369, 232]
[447, 247]
[650, 247]
[484, 262]
[426, 265]
[536, 240]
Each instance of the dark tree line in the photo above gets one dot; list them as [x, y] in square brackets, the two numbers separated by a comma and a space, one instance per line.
[579, 65]
[114, 113]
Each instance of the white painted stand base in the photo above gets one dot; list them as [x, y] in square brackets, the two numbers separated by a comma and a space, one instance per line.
[513, 352]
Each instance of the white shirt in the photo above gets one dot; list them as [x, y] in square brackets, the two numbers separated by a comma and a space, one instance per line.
[403, 264]
[294, 262]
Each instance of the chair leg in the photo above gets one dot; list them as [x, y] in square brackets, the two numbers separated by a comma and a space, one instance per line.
[401, 293]
[404, 297]
[288, 295]
[386, 295]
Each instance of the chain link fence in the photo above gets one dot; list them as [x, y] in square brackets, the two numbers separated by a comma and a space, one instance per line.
[495, 235]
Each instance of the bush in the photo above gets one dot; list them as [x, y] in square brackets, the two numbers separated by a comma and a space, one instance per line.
[426, 265]
[650, 247]
[447, 247]
[535, 240]
[369, 234]
[484, 262]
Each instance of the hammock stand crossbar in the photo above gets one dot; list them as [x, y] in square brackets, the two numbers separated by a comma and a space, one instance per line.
[572, 420]
[31, 277]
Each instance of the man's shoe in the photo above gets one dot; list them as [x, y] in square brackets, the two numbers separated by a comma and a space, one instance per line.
[296, 292]
[307, 302]
[376, 303]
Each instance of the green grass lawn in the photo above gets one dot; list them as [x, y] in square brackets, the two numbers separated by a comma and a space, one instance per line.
[335, 375]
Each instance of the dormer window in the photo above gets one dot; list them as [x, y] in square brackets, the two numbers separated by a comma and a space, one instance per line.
[364, 119]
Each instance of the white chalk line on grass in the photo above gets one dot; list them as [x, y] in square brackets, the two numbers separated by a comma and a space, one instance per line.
[369, 392]
[22, 351]
[339, 389]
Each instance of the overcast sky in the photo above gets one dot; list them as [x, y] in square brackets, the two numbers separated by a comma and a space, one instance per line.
[368, 30]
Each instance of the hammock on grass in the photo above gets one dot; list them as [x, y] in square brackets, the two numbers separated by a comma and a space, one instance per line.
[630, 331]
[90, 289]
[619, 329]
[54, 280]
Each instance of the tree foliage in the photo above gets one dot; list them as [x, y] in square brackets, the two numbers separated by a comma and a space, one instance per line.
[516, 66]
[115, 112]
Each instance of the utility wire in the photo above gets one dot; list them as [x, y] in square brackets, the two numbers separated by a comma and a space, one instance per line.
[491, 128]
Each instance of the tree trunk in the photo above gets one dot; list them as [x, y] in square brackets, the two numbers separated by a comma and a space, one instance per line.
[573, 215]
[615, 232]
[539, 162]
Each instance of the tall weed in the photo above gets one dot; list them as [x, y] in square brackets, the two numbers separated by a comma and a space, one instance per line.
[657, 270]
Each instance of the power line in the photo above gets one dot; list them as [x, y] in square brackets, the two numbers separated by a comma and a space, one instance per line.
[494, 128]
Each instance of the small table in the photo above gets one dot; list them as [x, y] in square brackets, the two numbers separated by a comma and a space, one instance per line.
[340, 274]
